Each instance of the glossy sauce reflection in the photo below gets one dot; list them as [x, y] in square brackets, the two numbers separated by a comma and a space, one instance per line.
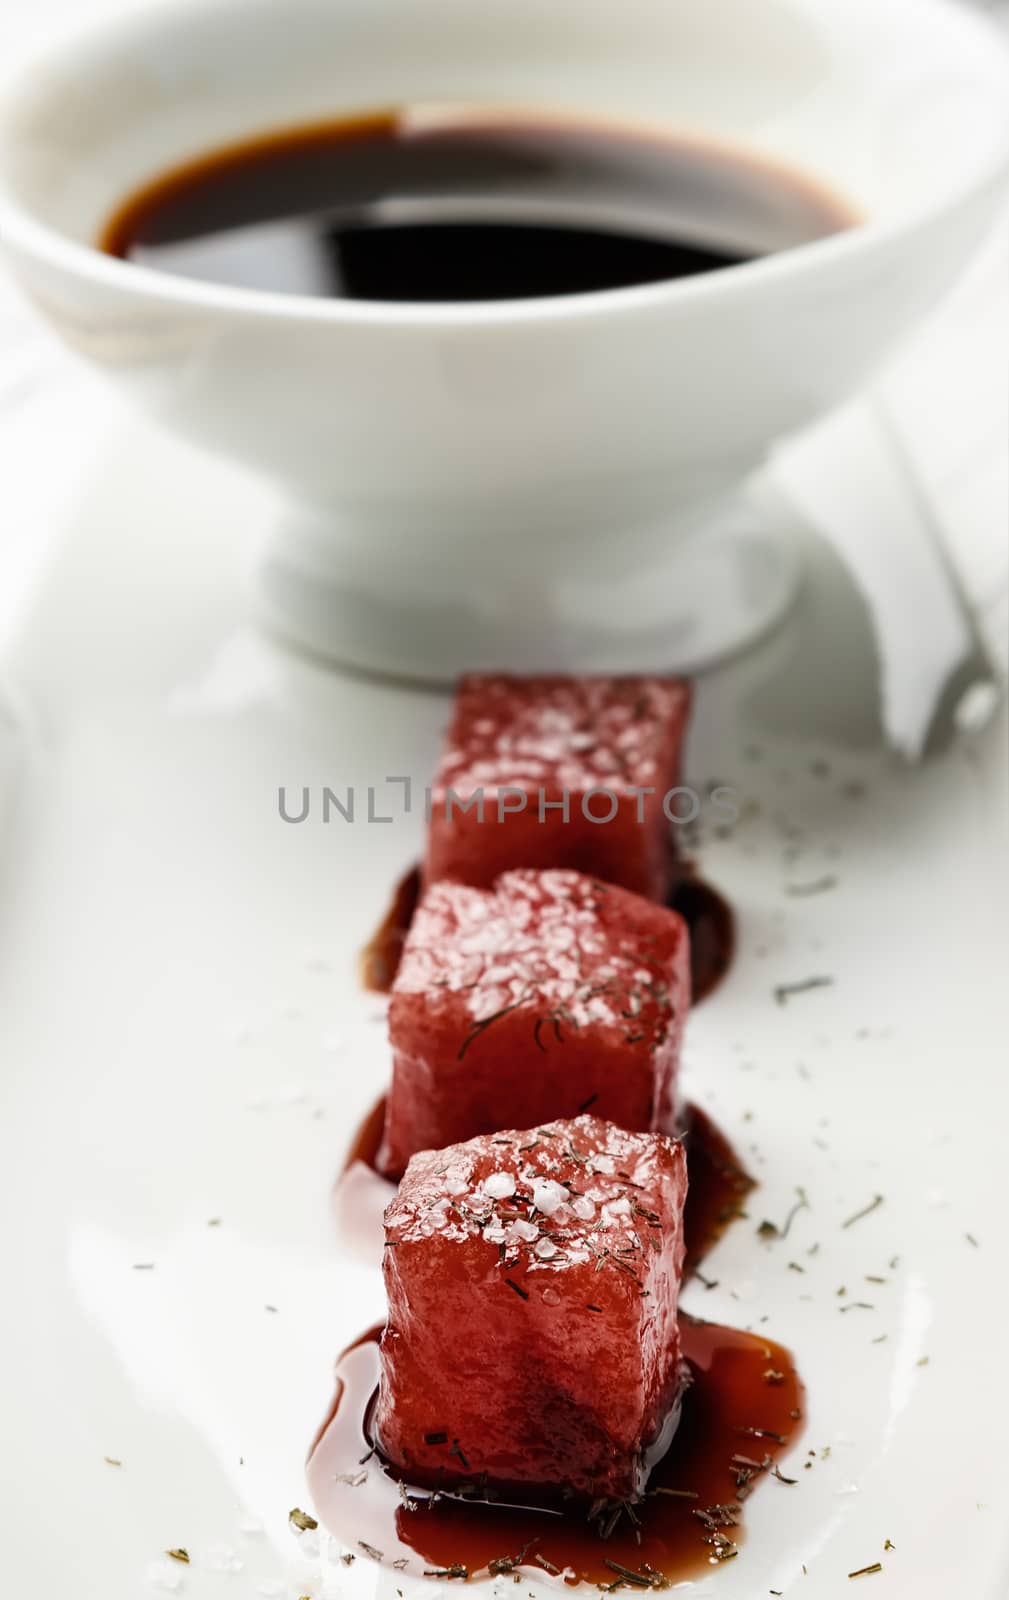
[743, 1408]
[431, 204]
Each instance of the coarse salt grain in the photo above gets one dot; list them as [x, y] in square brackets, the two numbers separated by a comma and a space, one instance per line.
[221, 1559]
[165, 1575]
[583, 1208]
[548, 1195]
[526, 1231]
[499, 1185]
[546, 1249]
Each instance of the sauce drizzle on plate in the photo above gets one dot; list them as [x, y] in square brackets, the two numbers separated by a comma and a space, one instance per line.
[742, 1409]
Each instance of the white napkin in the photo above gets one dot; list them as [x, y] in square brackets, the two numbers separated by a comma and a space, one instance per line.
[911, 485]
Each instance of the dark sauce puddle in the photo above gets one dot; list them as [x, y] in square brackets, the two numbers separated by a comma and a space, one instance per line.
[425, 205]
[742, 1409]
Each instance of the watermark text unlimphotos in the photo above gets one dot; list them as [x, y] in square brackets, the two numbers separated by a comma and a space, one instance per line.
[400, 796]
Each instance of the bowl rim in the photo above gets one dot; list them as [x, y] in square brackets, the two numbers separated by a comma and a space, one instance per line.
[25, 233]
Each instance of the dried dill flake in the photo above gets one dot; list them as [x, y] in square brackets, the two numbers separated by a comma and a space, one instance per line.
[784, 991]
[771, 1230]
[548, 1566]
[866, 1211]
[301, 1520]
[643, 1578]
[500, 1566]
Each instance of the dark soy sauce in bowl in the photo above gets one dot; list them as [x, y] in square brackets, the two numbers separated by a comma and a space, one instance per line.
[428, 206]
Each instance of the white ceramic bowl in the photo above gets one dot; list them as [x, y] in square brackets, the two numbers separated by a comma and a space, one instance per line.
[551, 482]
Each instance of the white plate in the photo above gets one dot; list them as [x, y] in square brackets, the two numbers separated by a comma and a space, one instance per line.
[183, 1040]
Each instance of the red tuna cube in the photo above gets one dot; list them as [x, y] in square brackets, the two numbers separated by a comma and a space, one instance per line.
[560, 772]
[548, 995]
[532, 1281]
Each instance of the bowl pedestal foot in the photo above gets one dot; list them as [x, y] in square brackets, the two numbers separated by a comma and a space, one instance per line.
[673, 604]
